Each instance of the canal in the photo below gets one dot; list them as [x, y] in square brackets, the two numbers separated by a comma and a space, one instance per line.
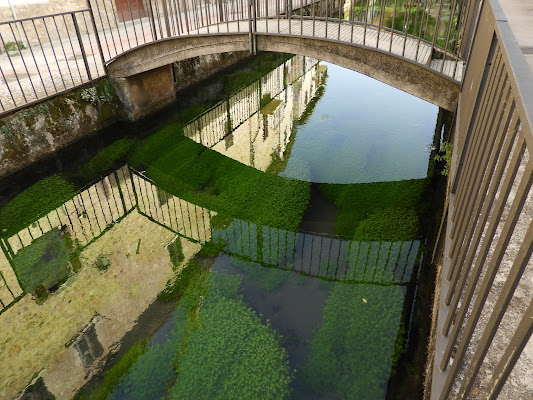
[268, 238]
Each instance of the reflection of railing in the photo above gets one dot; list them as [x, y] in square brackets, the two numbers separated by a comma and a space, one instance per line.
[228, 116]
[377, 262]
[85, 217]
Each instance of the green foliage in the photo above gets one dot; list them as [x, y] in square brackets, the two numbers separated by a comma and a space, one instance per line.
[353, 352]
[190, 276]
[110, 157]
[205, 177]
[102, 390]
[211, 249]
[175, 251]
[233, 355]
[34, 202]
[42, 262]
[390, 224]
[13, 47]
[446, 156]
[389, 208]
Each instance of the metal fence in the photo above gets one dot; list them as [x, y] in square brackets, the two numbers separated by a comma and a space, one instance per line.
[486, 306]
[45, 55]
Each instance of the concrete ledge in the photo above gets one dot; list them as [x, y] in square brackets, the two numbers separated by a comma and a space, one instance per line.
[395, 71]
[165, 52]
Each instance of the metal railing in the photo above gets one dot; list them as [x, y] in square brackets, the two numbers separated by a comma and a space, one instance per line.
[490, 229]
[46, 55]
[49, 54]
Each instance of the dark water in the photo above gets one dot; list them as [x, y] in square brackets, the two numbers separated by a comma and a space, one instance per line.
[311, 295]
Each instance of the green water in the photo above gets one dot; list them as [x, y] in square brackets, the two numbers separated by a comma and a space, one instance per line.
[266, 310]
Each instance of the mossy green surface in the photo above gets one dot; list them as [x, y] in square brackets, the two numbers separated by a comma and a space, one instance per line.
[34, 202]
[359, 342]
[109, 157]
[205, 177]
[233, 355]
[114, 374]
[42, 262]
[377, 211]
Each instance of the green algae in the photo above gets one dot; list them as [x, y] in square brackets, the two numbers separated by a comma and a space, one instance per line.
[378, 211]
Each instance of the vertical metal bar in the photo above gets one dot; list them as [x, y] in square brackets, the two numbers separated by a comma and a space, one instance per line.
[33, 56]
[132, 22]
[392, 28]
[512, 354]
[381, 14]
[13, 68]
[103, 28]
[23, 60]
[492, 269]
[63, 50]
[450, 22]
[91, 45]
[80, 41]
[507, 292]
[72, 47]
[8, 88]
[366, 23]
[483, 205]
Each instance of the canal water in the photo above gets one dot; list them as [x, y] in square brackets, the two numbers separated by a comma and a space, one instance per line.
[307, 189]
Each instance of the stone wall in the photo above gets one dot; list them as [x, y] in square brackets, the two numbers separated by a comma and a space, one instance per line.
[39, 130]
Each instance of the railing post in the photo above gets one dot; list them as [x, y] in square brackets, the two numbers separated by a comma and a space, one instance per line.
[80, 42]
[97, 36]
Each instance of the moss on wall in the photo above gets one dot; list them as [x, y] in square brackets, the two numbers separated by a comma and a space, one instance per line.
[38, 130]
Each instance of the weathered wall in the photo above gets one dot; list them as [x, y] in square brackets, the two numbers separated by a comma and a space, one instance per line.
[193, 70]
[39, 130]
[146, 92]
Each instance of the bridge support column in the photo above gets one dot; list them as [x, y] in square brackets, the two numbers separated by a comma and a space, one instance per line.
[146, 92]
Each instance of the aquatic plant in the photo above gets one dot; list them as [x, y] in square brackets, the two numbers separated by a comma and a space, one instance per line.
[44, 196]
[390, 208]
[233, 355]
[267, 278]
[355, 348]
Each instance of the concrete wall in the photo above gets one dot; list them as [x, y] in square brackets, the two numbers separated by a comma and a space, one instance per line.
[40, 130]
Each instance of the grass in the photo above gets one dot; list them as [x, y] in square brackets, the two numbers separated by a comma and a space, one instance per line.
[377, 211]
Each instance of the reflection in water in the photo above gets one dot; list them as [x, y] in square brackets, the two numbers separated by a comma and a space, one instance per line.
[250, 301]
[255, 125]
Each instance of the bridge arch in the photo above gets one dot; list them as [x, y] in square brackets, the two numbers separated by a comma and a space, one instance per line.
[150, 62]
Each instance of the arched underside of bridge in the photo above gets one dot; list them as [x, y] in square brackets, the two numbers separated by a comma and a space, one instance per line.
[152, 61]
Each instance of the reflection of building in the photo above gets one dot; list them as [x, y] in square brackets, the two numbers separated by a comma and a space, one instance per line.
[256, 123]
[117, 230]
